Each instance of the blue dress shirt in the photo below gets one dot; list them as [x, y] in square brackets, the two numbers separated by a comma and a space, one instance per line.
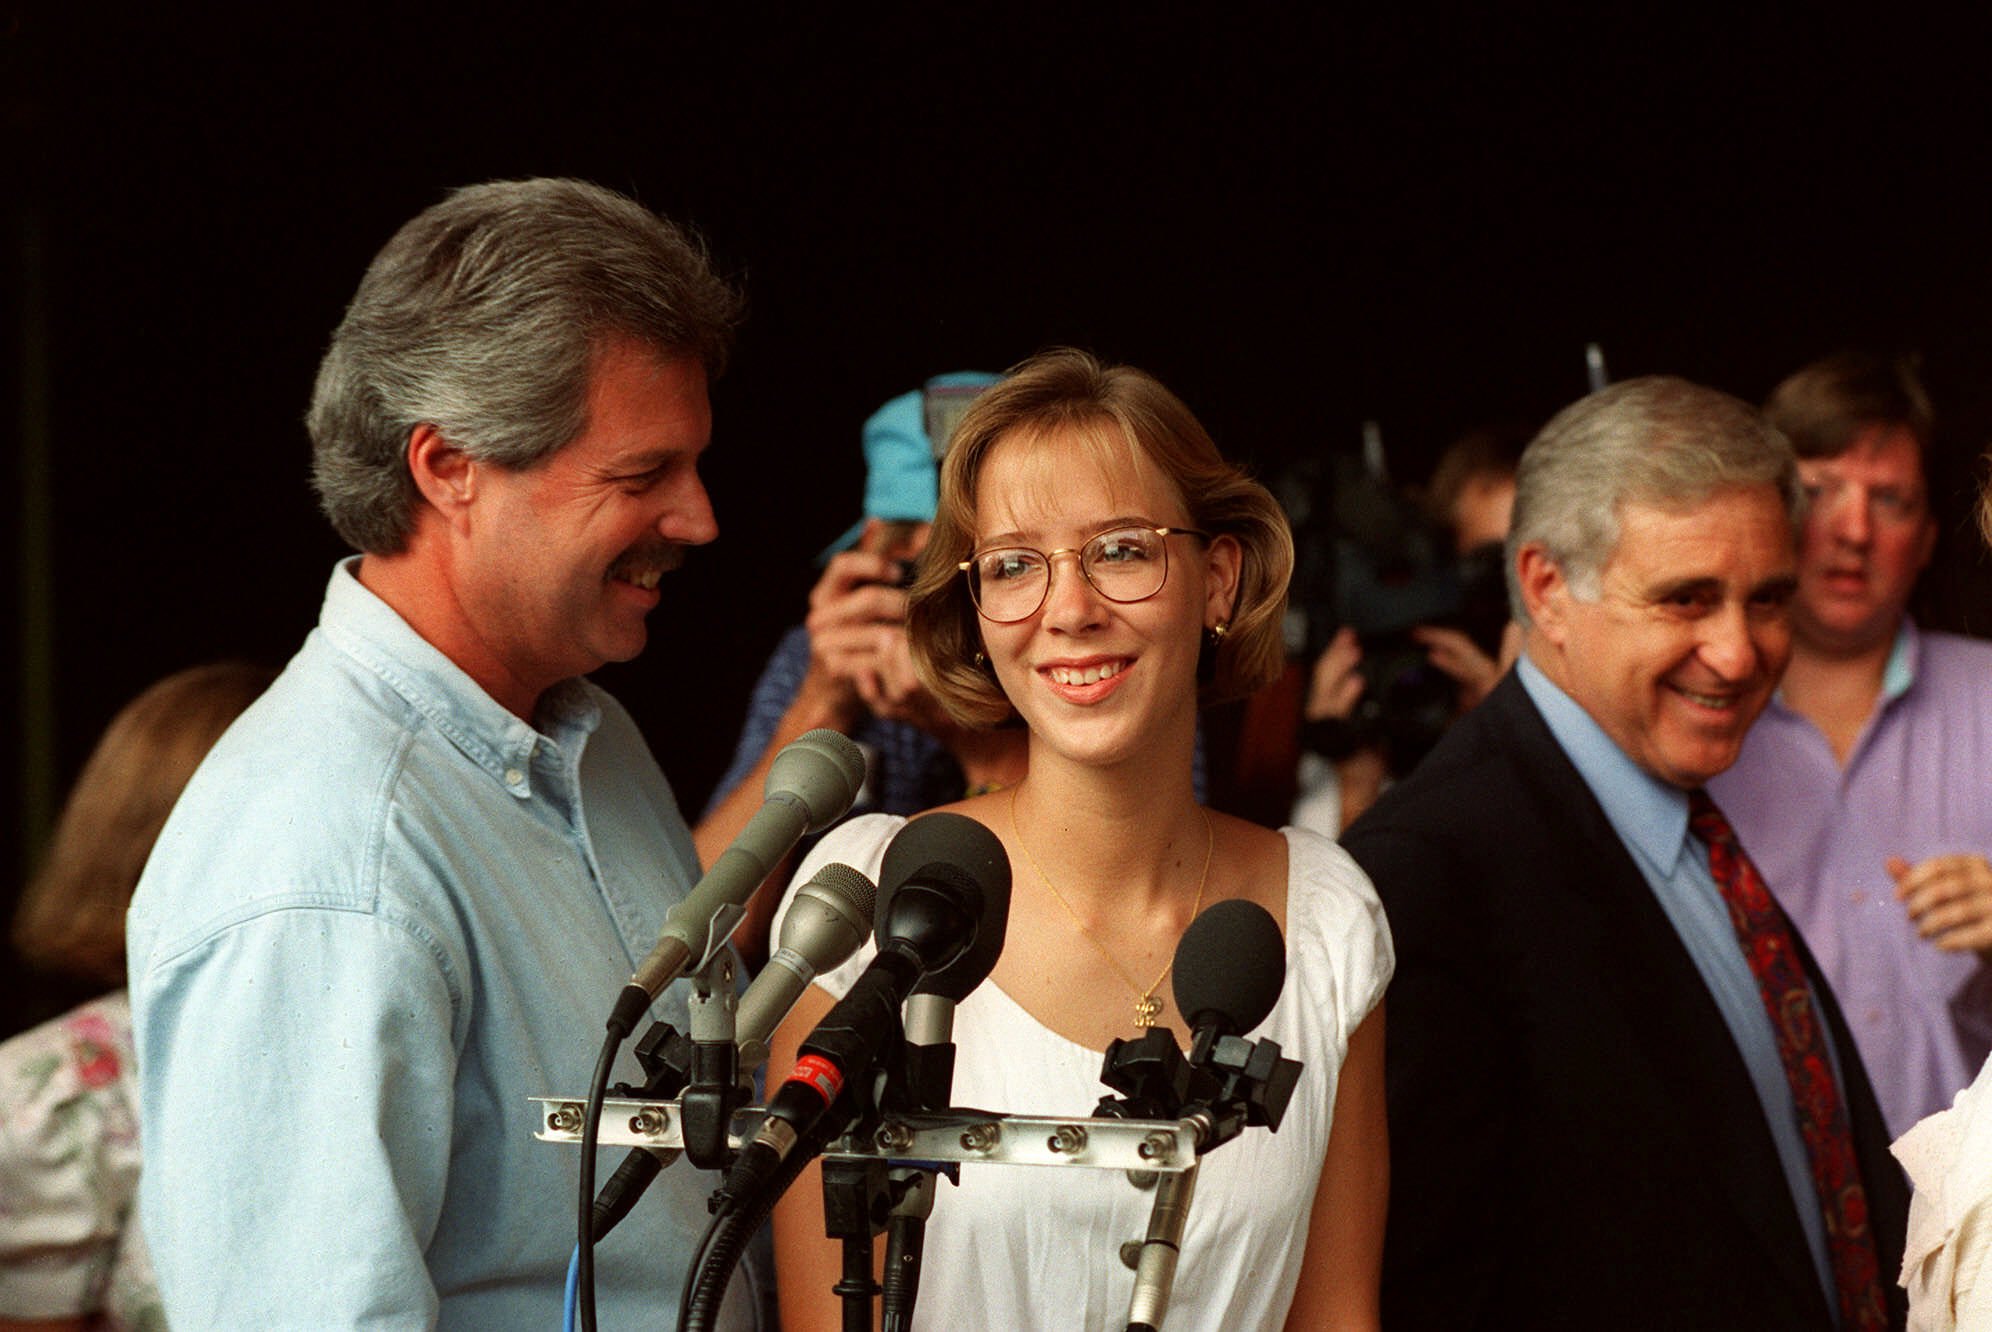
[386, 913]
[1651, 818]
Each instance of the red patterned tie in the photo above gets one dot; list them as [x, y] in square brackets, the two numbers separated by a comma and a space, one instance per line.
[1766, 938]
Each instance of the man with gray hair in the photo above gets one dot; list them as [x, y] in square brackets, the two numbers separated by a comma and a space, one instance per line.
[1620, 1094]
[402, 893]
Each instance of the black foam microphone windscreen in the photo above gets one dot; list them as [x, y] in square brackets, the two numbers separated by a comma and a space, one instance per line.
[952, 847]
[1229, 967]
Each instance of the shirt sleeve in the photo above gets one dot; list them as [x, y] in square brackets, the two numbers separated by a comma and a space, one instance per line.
[68, 1166]
[1345, 923]
[781, 680]
[297, 1110]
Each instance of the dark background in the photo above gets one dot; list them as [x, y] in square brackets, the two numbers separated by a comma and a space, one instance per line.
[1297, 222]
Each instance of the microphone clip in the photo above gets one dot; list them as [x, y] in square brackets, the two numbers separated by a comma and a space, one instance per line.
[666, 1056]
[1251, 1075]
[1151, 1075]
[710, 1098]
[713, 1092]
[719, 933]
[1227, 1083]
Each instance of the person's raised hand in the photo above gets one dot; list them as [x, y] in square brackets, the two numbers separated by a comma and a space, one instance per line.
[1949, 898]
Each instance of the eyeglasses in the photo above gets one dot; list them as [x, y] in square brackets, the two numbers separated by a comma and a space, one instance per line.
[1127, 564]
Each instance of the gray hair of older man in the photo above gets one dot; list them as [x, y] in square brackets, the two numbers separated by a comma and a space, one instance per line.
[1656, 441]
[481, 318]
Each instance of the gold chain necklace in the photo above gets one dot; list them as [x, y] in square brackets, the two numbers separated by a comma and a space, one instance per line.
[1147, 1008]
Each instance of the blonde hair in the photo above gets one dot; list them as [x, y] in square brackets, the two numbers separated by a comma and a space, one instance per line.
[1114, 410]
[1985, 501]
[71, 918]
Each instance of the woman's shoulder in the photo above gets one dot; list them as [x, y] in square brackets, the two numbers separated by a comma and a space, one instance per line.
[1331, 900]
[1304, 878]
[861, 842]
[1319, 858]
[84, 1050]
[1312, 862]
[869, 834]
[858, 842]
[66, 1093]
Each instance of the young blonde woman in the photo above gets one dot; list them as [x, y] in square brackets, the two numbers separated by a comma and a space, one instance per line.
[1097, 570]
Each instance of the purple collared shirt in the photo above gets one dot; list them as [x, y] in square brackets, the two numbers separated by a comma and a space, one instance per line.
[1917, 784]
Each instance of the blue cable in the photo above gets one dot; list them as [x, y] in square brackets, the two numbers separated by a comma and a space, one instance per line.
[573, 1290]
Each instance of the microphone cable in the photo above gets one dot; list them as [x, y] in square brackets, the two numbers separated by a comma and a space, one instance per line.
[733, 1225]
[643, 1164]
[591, 1132]
[906, 1243]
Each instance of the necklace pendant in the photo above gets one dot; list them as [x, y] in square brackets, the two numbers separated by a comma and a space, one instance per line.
[1146, 1010]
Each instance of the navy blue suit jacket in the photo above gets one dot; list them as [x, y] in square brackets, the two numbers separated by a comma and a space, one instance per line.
[1575, 1141]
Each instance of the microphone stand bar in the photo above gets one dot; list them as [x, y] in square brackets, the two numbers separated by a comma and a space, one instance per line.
[1162, 1146]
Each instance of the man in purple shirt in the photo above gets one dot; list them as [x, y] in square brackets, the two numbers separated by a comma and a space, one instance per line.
[1864, 793]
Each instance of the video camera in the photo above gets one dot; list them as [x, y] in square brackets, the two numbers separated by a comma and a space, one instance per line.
[1366, 556]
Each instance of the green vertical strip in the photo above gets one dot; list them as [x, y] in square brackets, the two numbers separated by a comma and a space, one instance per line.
[37, 553]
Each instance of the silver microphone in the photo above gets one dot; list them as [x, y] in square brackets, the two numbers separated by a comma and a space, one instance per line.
[829, 919]
[812, 782]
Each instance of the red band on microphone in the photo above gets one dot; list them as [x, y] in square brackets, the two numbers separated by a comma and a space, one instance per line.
[819, 1075]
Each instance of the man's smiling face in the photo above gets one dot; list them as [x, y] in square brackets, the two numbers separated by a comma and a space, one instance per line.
[1688, 634]
[564, 556]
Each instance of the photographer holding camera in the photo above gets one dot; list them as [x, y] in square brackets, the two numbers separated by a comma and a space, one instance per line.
[1422, 631]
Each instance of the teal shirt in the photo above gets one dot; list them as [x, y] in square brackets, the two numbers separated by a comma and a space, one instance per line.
[384, 915]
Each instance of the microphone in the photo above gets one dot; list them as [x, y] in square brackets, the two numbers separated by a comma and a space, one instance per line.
[1594, 367]
[1229, 967]
[828, 921]
[958, 888]
[812, 781]
[829, 918]
[934, 844]
[929, 1018]
[1155, 1265]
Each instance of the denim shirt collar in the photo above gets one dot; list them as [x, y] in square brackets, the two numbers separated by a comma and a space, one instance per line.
[1649, 816]
[369, 631]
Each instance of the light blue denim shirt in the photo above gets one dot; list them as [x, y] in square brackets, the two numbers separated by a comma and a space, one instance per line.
[1651, 818]
[386, 913]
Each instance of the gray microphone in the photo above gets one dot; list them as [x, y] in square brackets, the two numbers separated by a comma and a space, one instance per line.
[829, 919]
[811, 782]
[1229, 966]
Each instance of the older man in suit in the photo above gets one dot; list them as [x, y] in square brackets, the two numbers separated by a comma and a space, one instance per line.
[1620, 1093]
